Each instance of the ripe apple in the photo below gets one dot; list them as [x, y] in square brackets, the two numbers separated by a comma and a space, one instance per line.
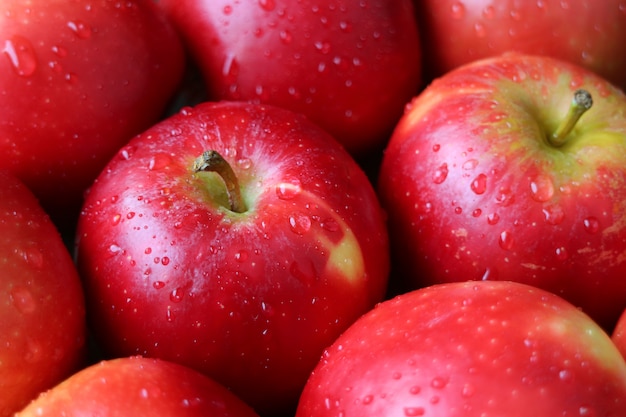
[490, 176]
[234, 238]
[42, 311]
[349, 66]
[591, 34]
[78, 79]
[470, 349]
[136, 386]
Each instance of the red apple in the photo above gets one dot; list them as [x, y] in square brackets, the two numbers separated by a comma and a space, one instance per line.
[136, 386]
[78, 79]
[244, 263]
[42, 311]
[488, 176]
[350, 66]
[472, 350]
[591, 34]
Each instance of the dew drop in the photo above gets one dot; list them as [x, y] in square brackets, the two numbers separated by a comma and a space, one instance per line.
[415, 390]
[439, 382]
[158, 285]
[288, 190]
[458, 10]
[115, 220]
[368, 399]
[470, 164]
[477, 212]
[299, 223]
[468, 390]
[480, 30]
[414, 411]
[241, 256]
[285, 37]
[21, 55]
[493, 218]
[23, 300]
[130, 215]
[489, 12]
[228, 9]
[561, 253]
[479, 184]
[267, 5]
[165, 261]
[506, 240]
[176, 296]
[440, 174]
[591, 224]
[553, 214]
[542, 188]
[230, 68]
[80, 29]
[436, 147]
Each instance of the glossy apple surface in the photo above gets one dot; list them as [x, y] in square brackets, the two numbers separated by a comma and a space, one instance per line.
[591, 34]
[78, 79]
[252, 296]
[475, 190]
[42, 308]
[470, 349]
[349, 66]
[136, 386]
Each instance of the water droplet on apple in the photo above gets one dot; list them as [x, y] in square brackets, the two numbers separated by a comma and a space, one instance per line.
[115, 220]
[230, 68]
[480, 30]
[542, 188]
[489, 12]
[81, 29]
[288, 190]
[177, 294]
[414, 411]
[21, 55]
[228, 9]
[468, 390]
[299, 223]
[439, 382]
[158, 285]
[553, 214]
[159, 161]
[470, 164]
[244, 163]
[415, 390]
[436, 147]
[561, 253]
[505, 197]
[477, 212]
[165, 261]
[506, 240]
[114, 249]
[368, 399]
[458, 210]
[440, 174]
[285, 37]
[458, 10]
[479, 184]
[267, 5]
[23, 300]
[591, 224]
[241, 256]
[493, 218]
[330, 225]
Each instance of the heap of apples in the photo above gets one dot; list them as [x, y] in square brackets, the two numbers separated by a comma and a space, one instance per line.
[313, 208]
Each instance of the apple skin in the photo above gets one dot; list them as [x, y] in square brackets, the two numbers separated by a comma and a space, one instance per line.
[591, 34]
[474, 191]
[619, 334]
[471, 349]
[251, 298]
[43, 329]
[349, 66]
[136, 386]
[78, 79]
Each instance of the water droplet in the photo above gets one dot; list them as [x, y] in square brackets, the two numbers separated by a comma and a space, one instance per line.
[458, 10]
[330, 225]
[458, 210]
[477, 212]
[228, 9]
[506, 240]
[480, 30]
[542, 188]
[345, 26]
[80, 29]
[505, 197]
[159, 161]
[479, 185]
[267, 5]
[114, 249]
[21, 55]
[176, 296]
[115, 220]
[489, 12]
[244, 163]
[368, 399]
[470, 164]
[165, 261]
[241, 256]
[23, 300]
[591, 224]
[285, 37]
[440, 174]
[414, 411]
[415, 390]
[288, 190]
[323, 47]
[439, 382]
[158, 285]
[553, 214]
[468, 390]
[561, 253]
[130, 215]
[148, 251]
[436, 147]
[493, 218]
[299, 223]
[230, 68]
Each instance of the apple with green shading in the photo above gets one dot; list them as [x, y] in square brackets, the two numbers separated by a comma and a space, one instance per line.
[234, 238]
[137, 386]
[513, 168]
[471, 349]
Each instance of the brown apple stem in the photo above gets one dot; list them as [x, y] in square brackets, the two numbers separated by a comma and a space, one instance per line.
[212, 161]
[580, 104]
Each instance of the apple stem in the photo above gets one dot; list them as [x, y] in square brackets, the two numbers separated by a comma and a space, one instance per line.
[212, 161]
[580, 104]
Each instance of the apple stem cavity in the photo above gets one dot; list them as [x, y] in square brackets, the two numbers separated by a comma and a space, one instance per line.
[212, 161]
[581, 102]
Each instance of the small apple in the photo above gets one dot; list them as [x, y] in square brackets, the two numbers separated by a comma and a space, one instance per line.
[489, 175]
[136, 386]
[42, 308]
[591, 34]
[349, 66]
[470, 349]
[237, 239]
